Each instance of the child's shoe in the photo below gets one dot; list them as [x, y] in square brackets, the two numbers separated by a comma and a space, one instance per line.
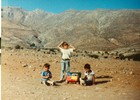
[43, 82]
[82, 82]
[52, 83]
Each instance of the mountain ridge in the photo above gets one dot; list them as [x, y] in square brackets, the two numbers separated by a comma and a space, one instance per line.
[98, 28]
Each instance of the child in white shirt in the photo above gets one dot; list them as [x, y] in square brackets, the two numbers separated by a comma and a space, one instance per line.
[89, 78]
[66, 51]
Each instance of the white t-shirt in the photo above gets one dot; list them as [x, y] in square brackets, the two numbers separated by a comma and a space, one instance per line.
[66, 53]
[89, 75]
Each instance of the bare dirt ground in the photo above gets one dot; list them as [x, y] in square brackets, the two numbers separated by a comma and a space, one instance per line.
[115, 79]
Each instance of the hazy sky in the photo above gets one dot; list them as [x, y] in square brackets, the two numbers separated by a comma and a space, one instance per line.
[57, 6]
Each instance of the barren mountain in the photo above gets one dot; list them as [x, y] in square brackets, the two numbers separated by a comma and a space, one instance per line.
[97, 29]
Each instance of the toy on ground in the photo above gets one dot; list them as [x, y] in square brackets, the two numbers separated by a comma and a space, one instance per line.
[73, 77]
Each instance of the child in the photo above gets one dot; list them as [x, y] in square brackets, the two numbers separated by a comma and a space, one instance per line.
[46, 75]
[66, 51]
[89, 78]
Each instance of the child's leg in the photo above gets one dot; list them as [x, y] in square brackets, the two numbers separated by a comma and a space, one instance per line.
[82, 81]
[62, 70]
[67, 67]
[43, 81]
[50, 82]
[89, 82]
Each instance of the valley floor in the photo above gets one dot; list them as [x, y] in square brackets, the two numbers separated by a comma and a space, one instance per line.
[115, 79]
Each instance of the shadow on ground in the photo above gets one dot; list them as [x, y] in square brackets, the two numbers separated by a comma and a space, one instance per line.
[97, 82]
[103, 76]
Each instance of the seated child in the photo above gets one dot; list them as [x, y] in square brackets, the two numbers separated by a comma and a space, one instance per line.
[46, 75]
[89, 78]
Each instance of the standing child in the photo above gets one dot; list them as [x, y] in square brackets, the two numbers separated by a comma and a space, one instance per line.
[66, 51]
[89, 78]
[46, 75]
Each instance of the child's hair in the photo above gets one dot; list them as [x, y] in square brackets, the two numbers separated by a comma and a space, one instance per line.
[87, 66]
[47, 65]
[64, 44]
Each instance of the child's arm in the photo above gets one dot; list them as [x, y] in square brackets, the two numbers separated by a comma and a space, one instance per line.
[45, 76]
[72, 47]
[60, 45]
[85, 77]
[50, 76]
[93, 79]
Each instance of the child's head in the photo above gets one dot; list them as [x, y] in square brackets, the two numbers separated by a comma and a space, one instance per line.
[87, 67]
[65, 45]
[46, 67]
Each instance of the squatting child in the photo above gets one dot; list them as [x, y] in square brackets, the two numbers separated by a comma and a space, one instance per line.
[46, 75]
[89, 76]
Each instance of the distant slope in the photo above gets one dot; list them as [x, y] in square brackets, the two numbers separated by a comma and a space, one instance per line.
[17, 34]
[97, 29]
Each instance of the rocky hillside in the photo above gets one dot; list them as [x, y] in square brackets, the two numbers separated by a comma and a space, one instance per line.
[97, 30]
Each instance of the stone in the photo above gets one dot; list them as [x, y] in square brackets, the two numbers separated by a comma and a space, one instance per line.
[127, 82]
[124, 72]
[126, 59]
[118, 79]
[111, 80]
[131, 59]
[97, 70]
[34, 69]
[26, 65]
[131, 73]
[124, 93]
[30, 66]
[115, 72]
[65, 98]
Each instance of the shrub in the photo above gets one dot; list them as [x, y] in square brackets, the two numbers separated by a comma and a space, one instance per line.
[93, 56]
[121, 56]
[106, 52]
[86, 52]
[35, 36]
[48, 52]
[105, 56]
[32, 45]
[17, 47]
[21, 48]
[52, 49]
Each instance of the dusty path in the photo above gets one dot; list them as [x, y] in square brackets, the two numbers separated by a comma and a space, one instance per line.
[115, 79]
